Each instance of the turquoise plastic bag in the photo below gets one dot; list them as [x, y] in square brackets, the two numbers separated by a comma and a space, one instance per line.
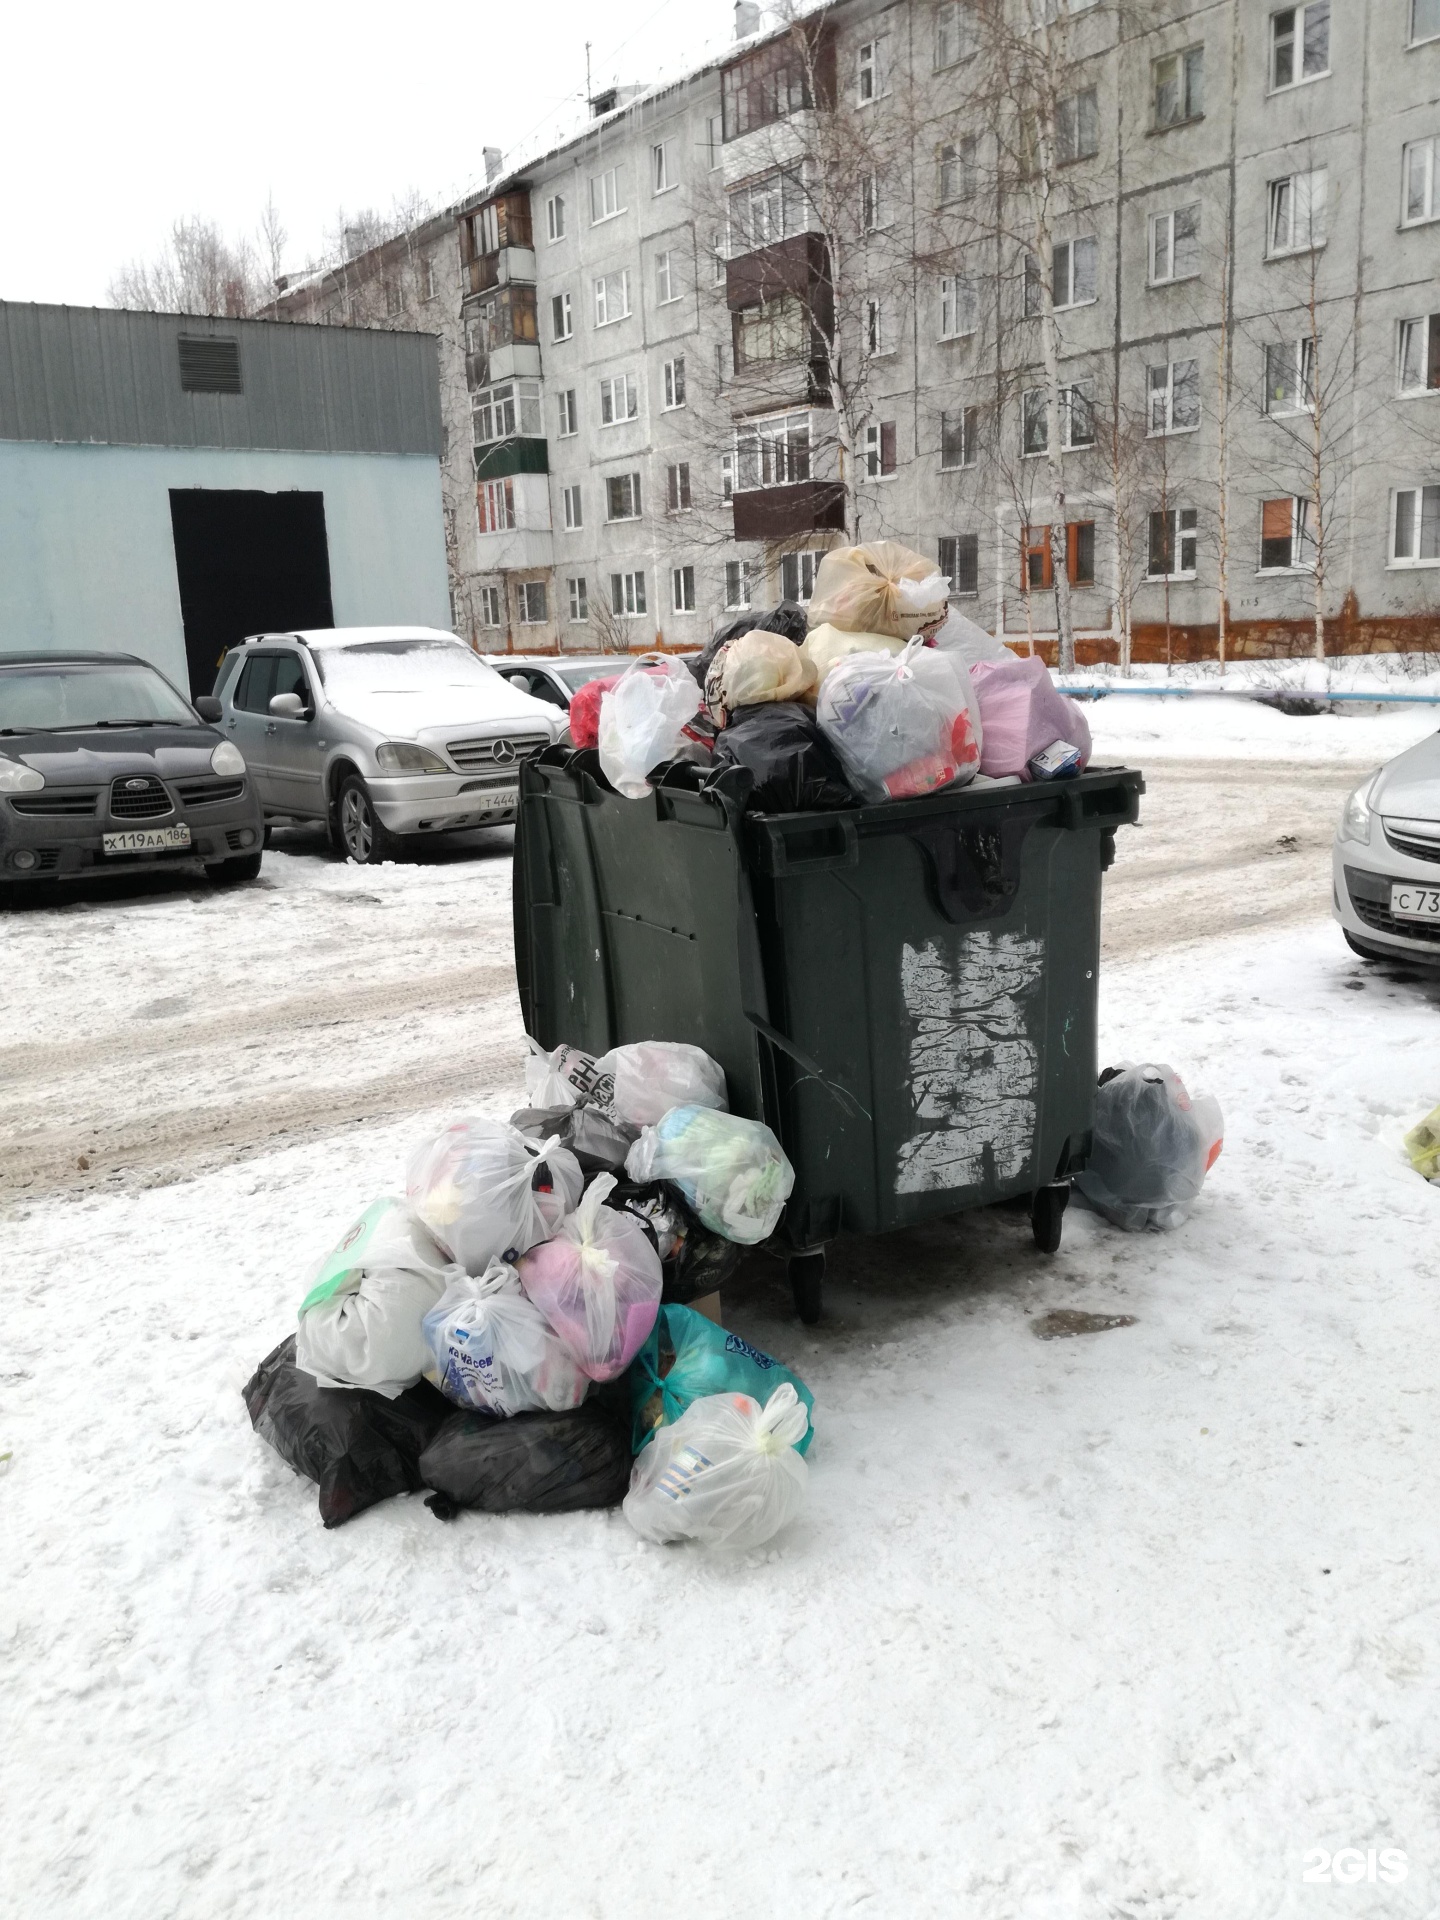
[707, 1360]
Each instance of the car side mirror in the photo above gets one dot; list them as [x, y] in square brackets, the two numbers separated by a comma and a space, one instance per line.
[208, 708]
[288, 706]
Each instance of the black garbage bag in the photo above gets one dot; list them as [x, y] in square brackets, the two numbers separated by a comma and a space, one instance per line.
[788, 618]
[357, 1446]
[599, 1143]
[530, 1463]
[693, 1260]
[792, 765]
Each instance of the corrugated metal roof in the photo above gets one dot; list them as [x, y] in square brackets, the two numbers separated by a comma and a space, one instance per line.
[97, 375]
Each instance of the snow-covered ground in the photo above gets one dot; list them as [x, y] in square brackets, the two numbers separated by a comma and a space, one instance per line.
[1140, 727]
[1119, 1625]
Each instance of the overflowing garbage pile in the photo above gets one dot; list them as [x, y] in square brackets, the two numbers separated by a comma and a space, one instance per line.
[534, 1326]
[879, 691]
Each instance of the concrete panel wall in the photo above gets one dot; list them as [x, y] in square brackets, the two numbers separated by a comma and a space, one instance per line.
[87, 556]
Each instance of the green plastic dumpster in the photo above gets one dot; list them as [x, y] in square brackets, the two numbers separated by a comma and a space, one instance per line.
[905, 993]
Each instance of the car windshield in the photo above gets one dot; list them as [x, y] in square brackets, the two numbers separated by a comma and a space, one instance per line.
[577, 677]
[402, 666]
[41, 698]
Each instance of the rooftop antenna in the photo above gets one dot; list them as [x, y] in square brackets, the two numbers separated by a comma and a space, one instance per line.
[588, 88]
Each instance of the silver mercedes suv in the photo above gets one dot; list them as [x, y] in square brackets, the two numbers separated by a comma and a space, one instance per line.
[386, 734]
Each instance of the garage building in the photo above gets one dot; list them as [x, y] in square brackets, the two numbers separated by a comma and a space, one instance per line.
[170, 483]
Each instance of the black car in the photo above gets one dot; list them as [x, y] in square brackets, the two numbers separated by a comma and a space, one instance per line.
[104, 767]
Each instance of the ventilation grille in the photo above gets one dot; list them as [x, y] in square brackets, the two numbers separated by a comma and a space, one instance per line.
[138, 798]
[208, 793]
[51, 805]
[1418, 848]
[502, 754]
[208, 365]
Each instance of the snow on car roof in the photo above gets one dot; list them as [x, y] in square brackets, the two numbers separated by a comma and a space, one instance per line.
[358, 636]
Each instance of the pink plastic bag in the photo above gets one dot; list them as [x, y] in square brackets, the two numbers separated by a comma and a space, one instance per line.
[597, 1283]
[1022, 712]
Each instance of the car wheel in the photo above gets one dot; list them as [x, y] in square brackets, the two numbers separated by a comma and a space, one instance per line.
[269, 835]
[231, 873]
[363, 836]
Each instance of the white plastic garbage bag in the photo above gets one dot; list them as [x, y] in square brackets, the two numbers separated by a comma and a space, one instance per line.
[489, 1348]
[649, 1077]
[557, 1079]
[733, 1171]
[642, 721]
[474, 1187]
[963, 639]
[901, 725]
[360, 1321]
[725, 1473]
[597, 1282]
[1153, 1146]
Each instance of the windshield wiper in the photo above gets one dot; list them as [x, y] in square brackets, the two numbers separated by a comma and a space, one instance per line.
[129, 723]
[24, 730]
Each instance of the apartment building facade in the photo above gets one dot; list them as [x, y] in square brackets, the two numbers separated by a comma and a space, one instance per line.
[803, 296]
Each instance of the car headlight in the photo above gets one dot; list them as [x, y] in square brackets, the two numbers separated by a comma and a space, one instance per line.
[1355, 820]
[227, 758]
[403, 756]
[17, 779]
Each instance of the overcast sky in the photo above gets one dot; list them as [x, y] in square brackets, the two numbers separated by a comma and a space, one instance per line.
[119, 120]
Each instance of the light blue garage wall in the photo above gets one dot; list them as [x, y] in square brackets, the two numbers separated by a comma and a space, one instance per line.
[87, 556]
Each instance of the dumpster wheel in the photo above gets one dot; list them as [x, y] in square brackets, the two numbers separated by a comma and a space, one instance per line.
[807, 1278]
[1047, 1216]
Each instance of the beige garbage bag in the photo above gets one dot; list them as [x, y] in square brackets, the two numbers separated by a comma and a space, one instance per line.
[878, 588]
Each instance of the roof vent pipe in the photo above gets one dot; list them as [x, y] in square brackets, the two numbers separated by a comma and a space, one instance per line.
[493, 158]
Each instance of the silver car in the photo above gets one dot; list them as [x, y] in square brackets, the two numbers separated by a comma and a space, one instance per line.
[1387, 859]
[386, 734]
[556, 678]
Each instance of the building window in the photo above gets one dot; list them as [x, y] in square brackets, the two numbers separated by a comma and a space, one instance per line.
[534, 611]
[960, 563]
[1424, 21]
[764, 86]
[622, 496]
[870, 70]
[717, 253]
[773, 332]
[727, 477]
[959, 307]
[677, 487]
[662, 167]
[1080, 553]
[561, 323]
[619, 400]
[682, 589]
[1299, 44]
[501, 412]
[770, 209]
[569, 413]
[875, 327]
[627, 594]
[879, 450]
[1415, 529]
[797, 573]
[1297, 212]
[1290, 376]
[953, 38]
[490, 607]
[1077, 127]
[574, 513]
[555, 216]
[1287, 538]
[714, 140]
[737, 585]
[774, 452]
[1177, 87]
[1175, 245]
[612, 297]
[1420, 182]
[1175, 397]
[666, 288]
[427, 279]
[955, 171]
[870, 220]
[1420, 355]
[605, 200]
[579, 599]
[1077, 422]
[672, 380]
[1074, 282]
[957, 439]
[1174, 544]
[495, 506]
[1037, 567]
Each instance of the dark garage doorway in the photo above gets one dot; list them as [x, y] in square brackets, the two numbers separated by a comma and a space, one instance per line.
[247, 563]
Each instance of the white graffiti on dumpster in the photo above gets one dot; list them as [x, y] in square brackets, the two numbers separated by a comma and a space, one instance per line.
[973, 1066]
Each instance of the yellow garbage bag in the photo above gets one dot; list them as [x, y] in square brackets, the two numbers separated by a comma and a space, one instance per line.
[826, 646]
[879, 588]
[1422, 1143]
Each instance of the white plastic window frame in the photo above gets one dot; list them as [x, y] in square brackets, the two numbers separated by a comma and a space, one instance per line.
[579, 591]
[572, 507]
[682, 588]
[1167, 220]
[1430, 148]
[1301, 78]
[610, 175]
[1415, 493]
[1429, 325]
[1180, 535]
